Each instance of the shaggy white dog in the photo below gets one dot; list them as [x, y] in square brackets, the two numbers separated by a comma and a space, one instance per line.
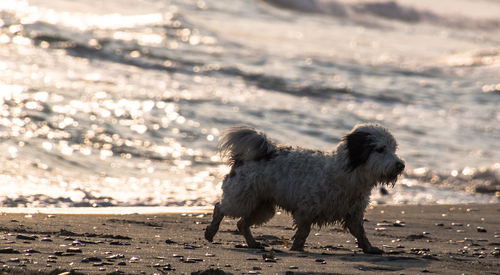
[315, 187]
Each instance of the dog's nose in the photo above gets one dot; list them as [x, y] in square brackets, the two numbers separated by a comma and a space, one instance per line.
[400, 166]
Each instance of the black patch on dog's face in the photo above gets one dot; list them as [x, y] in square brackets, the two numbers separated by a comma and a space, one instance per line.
[359, 148]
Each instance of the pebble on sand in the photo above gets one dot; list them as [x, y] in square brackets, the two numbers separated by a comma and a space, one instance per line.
[134, 259]
[9, 250]
[25, 237]
[74, 250]
[481, 229]
[91, 259]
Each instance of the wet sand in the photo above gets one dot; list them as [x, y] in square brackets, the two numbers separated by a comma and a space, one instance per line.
[439, 239]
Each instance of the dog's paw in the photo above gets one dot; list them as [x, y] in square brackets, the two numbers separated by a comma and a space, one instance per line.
[373, 250]
[256, 245]
[209, 234]
[296, 248]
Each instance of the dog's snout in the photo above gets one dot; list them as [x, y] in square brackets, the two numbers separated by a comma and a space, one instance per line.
[400, 166]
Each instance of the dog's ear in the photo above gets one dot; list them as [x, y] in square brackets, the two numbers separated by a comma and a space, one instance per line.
[359, 148]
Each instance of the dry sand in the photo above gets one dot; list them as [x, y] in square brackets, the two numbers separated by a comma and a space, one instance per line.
[439, 239]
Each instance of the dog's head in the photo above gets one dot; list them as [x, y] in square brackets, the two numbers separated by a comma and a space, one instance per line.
[372, 147]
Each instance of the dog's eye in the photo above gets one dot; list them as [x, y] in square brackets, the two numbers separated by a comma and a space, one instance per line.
[380, 149]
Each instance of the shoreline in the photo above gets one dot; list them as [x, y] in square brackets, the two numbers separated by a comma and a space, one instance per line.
[111, 210]
[439, 239]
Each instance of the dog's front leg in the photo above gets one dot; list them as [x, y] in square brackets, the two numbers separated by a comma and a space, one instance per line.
[356, 228]
[299, 239]
[212, 229]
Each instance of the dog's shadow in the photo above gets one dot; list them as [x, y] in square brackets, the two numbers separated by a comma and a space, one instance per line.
[365, 262]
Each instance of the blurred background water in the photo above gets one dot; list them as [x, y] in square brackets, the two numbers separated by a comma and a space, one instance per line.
[121, 102]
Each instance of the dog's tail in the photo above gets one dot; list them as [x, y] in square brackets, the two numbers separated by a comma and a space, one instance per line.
[242, 143]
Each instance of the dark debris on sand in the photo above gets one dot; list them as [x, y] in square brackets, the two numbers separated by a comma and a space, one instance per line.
[211, 271]
[19, 271]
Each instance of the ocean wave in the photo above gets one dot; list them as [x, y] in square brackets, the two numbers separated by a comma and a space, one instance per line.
[357, 11]
[484, 180]
[427, 186]
[93, 46]
[486, 57]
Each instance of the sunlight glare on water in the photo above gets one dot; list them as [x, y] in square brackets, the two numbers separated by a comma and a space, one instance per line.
[121, 103]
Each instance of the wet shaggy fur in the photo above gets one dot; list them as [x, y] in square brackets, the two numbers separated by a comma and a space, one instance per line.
[316, 187]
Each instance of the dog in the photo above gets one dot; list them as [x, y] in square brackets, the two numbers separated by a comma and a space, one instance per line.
[316, 187]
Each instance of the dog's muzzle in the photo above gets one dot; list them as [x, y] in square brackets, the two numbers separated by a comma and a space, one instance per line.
[400, 167]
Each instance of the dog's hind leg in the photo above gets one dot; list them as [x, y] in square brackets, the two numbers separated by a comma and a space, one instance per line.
[299, 239]
[244, 228]
[264, 212]
[212, 229]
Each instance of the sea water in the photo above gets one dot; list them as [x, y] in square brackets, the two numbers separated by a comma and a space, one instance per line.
[122, 102]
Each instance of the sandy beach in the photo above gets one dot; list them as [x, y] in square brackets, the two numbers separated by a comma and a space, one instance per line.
[439, 239]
